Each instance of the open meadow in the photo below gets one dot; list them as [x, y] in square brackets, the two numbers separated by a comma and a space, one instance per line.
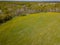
[33, 29]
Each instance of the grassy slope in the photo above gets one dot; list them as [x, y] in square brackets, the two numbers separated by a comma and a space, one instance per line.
[35, 29]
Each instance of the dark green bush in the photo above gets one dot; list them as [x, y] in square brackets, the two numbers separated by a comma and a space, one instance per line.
[4, 18]
[22, 14]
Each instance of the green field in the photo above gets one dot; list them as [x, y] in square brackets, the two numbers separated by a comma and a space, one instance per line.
[33, 29]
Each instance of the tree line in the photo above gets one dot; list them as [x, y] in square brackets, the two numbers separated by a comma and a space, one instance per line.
[8, 10]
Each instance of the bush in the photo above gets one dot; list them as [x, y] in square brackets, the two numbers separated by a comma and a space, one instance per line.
[22, 14]
[4, 18]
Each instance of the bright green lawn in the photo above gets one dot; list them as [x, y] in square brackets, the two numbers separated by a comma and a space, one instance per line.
[34, 29]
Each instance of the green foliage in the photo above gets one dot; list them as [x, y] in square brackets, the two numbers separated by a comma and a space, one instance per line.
[23, 14]
[12, 9]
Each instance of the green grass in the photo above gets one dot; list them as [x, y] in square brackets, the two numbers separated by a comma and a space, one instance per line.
[34, 29]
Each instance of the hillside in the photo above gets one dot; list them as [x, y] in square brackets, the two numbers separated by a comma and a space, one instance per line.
[8, 10]
[33, 29]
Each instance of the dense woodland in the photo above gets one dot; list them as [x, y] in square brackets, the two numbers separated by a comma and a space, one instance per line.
[8, 10]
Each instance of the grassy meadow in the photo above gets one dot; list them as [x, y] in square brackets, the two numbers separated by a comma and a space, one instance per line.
[33, 29]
